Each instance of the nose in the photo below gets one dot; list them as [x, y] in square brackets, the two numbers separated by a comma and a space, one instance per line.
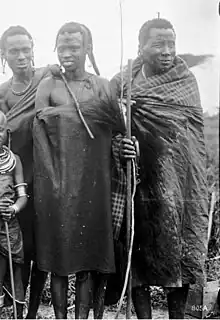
[67, 54]
[21, 55]
[166, 50]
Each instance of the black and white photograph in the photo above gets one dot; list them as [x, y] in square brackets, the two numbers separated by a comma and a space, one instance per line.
[109, 159]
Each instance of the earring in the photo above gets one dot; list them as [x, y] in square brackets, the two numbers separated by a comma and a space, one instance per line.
[3, 66]
[32, 61]
[140, 55]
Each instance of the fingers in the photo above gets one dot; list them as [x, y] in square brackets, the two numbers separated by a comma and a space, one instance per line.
[129, 157]
[128, 143]
[6, 200]
[5, 203]
[133, 139]
[6, 217]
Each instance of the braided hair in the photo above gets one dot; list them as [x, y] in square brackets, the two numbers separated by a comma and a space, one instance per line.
[12, 31]
[144, 32]
[74, 27]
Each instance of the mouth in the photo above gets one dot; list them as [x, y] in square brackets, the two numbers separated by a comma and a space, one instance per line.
[68, 63]
[165, 62]
[22, 66]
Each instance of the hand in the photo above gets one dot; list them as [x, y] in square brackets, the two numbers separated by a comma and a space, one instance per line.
[128, 149]
[8, 214]
[6, 211]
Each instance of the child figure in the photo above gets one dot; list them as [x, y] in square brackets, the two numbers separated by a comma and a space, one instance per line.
[13, 198]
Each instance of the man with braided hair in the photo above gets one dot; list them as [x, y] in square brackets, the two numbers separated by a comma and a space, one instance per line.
[76, 116]
[171, 202]
[17, 101]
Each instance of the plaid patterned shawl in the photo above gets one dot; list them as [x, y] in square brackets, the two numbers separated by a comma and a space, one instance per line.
[167, 120]
[118, 187]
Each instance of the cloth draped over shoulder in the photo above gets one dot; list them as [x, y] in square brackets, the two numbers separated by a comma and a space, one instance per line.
[73, 182]
[20, 118]
[171, 203]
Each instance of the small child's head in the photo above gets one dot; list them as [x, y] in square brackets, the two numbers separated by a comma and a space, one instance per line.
[3, 128]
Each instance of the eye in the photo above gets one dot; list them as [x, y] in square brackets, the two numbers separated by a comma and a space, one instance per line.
[26, 50]
[60, 49]
[158, 44]
[13, 51]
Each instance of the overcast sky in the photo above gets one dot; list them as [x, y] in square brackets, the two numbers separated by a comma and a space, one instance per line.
[196, 22]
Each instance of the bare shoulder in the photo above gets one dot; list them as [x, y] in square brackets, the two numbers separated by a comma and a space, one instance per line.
[47, 84]
[4, 88]
[42, 72]
[18, 160]
[18, 167]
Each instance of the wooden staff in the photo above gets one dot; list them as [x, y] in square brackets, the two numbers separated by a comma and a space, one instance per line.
[129, 191]
[11, 270]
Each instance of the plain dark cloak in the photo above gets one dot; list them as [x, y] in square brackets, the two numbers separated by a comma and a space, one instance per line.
[73, 188]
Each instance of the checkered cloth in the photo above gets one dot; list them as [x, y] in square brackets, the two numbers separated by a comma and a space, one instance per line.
[118, 187]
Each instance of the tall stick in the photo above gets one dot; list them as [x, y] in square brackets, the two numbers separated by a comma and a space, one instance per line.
[11, 270]
[128, 309]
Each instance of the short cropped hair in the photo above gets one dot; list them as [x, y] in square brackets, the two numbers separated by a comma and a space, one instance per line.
[144, 32]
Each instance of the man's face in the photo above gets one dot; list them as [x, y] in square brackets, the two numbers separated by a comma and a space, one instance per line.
[19, 53]
[160, 50]
[71, 51]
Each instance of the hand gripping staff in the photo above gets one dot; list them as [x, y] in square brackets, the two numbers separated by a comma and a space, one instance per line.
[131, 174]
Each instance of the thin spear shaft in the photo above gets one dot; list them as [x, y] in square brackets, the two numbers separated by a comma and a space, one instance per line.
[11, 271]
[129, 194]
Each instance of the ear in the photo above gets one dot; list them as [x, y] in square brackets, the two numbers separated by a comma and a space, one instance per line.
[2, 57]
[89, 49]
[140, 50]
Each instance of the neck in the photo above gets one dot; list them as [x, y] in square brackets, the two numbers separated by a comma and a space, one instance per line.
[1, 149]
[24, 76]
[148, 70]
[78, 74]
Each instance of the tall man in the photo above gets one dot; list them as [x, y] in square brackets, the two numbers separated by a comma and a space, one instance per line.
[72, 168]
[17, 97]
[171, 202]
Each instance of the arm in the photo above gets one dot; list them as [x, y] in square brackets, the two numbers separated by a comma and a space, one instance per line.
[19, 178]
[43, 94]
[21, 201]
[3, 92]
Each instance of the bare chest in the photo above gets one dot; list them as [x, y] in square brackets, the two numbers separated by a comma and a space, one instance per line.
[11, 100]
[60, 95]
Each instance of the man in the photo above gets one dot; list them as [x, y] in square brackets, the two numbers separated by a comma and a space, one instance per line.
[72, 165]
[17, 97]
[171, 201]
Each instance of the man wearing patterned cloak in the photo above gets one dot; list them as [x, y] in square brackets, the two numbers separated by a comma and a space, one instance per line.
[171, 202]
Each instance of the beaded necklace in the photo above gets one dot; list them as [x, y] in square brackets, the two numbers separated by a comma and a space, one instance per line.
[21, 93]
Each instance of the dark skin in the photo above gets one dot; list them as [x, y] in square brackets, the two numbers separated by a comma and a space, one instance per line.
[6, 211]
[158, 55]
[18, 54]
[52, 92]
[71, 53]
